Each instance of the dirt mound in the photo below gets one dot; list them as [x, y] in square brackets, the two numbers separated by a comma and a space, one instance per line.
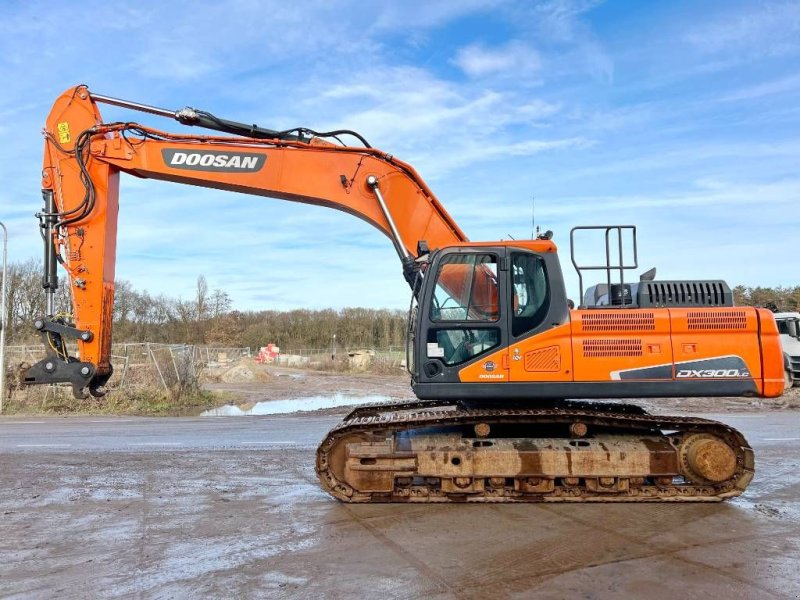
[245, 369]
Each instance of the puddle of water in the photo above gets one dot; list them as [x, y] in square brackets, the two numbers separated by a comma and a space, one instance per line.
[276, 407]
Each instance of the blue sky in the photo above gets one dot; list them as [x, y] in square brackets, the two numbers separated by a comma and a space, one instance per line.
[682, 118]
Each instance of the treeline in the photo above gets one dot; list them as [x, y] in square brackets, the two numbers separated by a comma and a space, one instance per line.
[779, 299]
[207, 318]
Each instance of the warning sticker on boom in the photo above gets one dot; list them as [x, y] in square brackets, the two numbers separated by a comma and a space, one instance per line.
[63, 133]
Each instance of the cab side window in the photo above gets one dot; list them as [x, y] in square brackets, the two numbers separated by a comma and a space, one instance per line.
[531, 293]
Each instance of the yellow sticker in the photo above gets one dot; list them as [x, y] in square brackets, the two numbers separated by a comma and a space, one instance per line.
[63, 133]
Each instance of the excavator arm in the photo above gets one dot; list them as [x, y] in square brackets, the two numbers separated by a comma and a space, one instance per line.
[84, 156]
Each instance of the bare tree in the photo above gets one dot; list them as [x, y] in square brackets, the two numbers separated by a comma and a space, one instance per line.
[202, 298]
[220, 304]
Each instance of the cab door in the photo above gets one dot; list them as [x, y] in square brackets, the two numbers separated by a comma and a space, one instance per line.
[464, 320]
[540, 347]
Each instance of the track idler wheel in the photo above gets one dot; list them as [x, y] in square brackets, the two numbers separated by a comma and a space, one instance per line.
[705, 458]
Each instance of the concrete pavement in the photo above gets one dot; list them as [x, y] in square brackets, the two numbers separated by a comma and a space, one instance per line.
[229, 507]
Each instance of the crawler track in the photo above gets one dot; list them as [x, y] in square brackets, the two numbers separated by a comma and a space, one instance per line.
[367, 457]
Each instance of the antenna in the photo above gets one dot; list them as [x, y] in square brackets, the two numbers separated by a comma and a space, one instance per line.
[535, 229]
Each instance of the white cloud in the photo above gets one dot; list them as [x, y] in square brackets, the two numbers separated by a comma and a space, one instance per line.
[681, 160]
[763, 202]
[769, 88]
[171, 59]
[439, 125]
[761, 29]
[439, 164]
[561, 18]
[425, 14]
[537, 109]
[515, 58]
[562, 24]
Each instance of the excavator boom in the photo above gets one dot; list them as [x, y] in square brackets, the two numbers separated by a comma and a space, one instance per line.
[80, 184]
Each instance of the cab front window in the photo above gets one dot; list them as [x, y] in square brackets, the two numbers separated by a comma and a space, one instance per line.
[466, 289]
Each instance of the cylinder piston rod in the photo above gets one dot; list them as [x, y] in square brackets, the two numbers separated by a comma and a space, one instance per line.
[198, 118]
[153, 110]
[48, 221]
[372, 182]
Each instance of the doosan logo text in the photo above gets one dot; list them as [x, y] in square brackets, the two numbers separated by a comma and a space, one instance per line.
[218, 160]
[225, 162]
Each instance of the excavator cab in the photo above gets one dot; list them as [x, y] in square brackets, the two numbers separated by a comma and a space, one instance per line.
[475, 301]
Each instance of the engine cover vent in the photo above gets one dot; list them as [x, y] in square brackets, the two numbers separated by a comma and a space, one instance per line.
[713, 321]
[683, 293]
[618, 321]
[546, 359]
[611, 348]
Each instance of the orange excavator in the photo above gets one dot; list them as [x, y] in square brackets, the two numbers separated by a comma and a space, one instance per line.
[495, 350]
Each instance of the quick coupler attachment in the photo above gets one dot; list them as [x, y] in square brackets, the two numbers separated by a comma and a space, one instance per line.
[58, 366]
[53, 369]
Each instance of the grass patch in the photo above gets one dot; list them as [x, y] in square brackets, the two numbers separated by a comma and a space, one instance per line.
[141, 401]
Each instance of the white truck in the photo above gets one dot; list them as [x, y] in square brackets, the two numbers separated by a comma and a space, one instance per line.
[789, 327]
